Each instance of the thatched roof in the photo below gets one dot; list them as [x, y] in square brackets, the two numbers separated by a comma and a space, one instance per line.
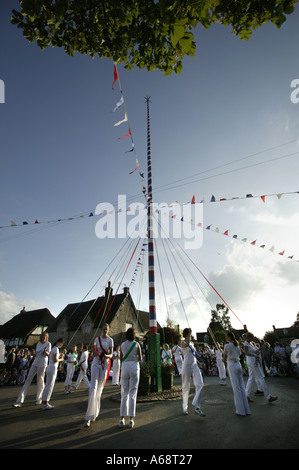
[21, 325]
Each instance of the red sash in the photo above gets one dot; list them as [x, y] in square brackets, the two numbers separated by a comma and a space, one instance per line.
[102, 358]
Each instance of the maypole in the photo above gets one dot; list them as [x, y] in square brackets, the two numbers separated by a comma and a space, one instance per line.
[153, 337]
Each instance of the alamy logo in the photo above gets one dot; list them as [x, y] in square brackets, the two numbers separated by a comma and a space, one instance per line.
[184, 222]
[295, 93]
[295, 351]
[2, 92]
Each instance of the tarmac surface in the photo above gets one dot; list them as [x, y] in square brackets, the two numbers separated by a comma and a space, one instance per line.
[159, 424]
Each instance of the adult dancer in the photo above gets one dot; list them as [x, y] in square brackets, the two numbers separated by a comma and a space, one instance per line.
[231, 355]
[103, 347]
[116, 366]
[131, 355]
[83, 365]
[190, 368]
[51, 374]
[255, 371]
[38, 368]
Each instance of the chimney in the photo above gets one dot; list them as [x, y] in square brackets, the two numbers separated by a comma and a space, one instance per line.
[126, 291]
[108, 289]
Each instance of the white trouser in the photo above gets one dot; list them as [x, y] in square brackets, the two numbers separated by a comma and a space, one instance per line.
[179, 364]
[189, 370]
[255, 374]
[40, 374]
[50, 381]
[82, 376]
[130, 374]
[70, 369]
[116, 372]
[237, 383]
[221, 369]
[97, 383]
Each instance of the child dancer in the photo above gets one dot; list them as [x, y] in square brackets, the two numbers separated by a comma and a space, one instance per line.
[71, 362]
[54, 359]
[116, 366]
[103, 347]
[190, 368]
[83, 365]
[220, 365]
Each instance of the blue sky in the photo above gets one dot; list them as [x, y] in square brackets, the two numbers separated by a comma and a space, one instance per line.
[60, 157]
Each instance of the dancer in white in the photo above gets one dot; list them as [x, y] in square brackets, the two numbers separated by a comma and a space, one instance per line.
[37, 368]
[166, 355]
[83, 365]
[220, 365]
[70, 369]
[100, 367]
[255, 372]
[177, 354]
[131, 355]
[231, 355]
[51, 374]
[116, 366]
[190, 368]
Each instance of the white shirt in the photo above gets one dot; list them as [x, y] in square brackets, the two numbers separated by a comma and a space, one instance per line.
[232, 352]
[52, 356]
[189, 354]
[107, 344]
[251, 350]
[41, 360]
[125, 347]
[176, 350]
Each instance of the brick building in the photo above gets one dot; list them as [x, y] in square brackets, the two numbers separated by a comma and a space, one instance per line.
[79, 323]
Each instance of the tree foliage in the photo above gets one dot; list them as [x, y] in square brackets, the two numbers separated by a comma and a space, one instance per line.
[151, 34]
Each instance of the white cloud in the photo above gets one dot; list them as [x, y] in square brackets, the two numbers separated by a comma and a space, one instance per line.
[11, 305]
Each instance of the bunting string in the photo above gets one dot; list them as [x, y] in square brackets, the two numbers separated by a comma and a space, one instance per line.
[118, 105]
[200, 225]
[87, 214]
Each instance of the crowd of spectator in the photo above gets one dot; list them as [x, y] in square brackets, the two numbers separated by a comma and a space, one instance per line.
[276, 362]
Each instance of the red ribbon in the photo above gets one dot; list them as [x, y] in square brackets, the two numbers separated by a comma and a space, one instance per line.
[102, 358]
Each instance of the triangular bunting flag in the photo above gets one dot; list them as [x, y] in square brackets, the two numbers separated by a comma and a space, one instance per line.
[263, 198]
[193, 200]
[281, 253]
[119, 103]
[253, 243]
[120, 122]
[127, 135]
[115, 76]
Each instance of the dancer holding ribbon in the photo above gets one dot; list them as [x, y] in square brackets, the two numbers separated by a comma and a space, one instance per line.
[82, 365]
[130, 355]
[190, 368]
[103, 351]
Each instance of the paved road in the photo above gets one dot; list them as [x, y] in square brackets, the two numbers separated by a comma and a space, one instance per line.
[158, 425]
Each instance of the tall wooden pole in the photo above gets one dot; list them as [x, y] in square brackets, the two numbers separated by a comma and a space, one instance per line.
[154, 337]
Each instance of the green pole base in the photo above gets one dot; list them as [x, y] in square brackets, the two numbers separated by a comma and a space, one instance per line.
[155, 362]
